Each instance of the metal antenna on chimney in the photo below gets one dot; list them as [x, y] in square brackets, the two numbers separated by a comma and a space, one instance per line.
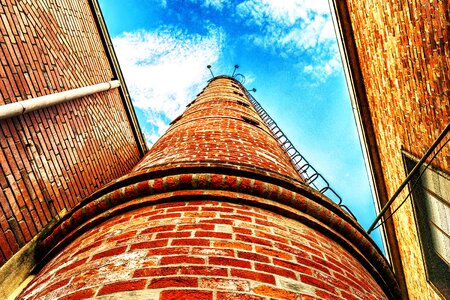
[239, 77]
[235, 67]
[209, 67]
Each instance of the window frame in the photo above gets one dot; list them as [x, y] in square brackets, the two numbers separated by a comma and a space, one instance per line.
[437, 270]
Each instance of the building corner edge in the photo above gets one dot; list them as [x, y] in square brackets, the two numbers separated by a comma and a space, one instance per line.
[355, 82]
[115, 67]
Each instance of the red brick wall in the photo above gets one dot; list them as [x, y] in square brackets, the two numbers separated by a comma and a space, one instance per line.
[204, 250]
[403, 49]
[52, 158]
[404, 54]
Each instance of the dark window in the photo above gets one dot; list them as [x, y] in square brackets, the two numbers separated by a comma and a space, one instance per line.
[250, 120]
[192, 102]
[242, 103]
[431, 202]
[176, 119]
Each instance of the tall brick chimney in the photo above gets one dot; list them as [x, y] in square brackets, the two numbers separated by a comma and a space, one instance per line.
[215, 210]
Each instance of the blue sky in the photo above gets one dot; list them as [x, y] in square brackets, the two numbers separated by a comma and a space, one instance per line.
[285, 49]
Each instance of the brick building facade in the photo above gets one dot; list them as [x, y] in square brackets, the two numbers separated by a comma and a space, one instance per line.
[202, 219]
[397, 59]
[215, 210]
[54, 157]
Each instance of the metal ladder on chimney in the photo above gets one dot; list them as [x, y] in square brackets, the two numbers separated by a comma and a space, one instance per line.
[301, 165]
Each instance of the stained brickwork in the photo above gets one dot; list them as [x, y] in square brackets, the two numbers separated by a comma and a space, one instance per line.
[403, 49]
[214, 211]
[52, 158]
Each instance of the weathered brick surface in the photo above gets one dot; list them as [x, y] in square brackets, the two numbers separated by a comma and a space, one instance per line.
[403, 49]
[223, 111]
[212, 267]
[52, 158]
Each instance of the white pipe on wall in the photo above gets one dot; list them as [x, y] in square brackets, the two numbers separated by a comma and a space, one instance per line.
[19, 108]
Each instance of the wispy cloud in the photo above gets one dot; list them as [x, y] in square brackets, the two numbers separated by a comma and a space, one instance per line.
[295, 28]
[215, 4]
[165, 69]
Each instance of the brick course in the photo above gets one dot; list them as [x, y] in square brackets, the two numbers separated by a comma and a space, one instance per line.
[211, 271]
[53, 158]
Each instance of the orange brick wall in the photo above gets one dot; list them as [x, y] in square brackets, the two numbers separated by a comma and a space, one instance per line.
[404, 53]
[204, 250]
[52, 158]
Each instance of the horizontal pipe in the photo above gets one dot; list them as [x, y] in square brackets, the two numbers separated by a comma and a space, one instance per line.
[19, 108]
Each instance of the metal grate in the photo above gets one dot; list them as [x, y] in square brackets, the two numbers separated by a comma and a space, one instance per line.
[302, 166]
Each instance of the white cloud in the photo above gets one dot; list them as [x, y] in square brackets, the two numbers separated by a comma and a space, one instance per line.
[325, 63]
[295, 27]
[216, 4]
[286, 12]
[164, 70]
